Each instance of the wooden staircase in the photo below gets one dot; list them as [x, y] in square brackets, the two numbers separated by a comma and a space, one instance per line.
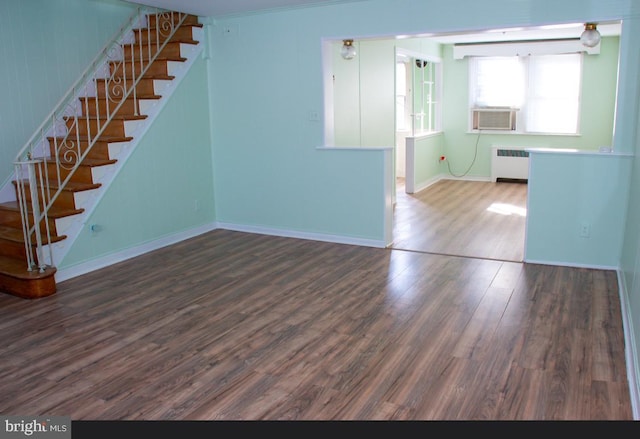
[15, 278]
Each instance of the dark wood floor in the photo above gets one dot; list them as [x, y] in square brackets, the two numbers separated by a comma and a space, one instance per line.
[463, 218]
[237, 326]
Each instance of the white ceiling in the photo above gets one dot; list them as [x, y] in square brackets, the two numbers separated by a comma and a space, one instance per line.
[222, 8]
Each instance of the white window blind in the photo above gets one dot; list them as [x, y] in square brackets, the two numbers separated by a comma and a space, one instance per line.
[553, 99]
[544, 88]
[499, 82]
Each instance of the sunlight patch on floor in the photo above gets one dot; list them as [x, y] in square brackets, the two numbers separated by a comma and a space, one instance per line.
[507, 209]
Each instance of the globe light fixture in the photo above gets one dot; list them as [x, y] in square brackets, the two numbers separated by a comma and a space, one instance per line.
[590, 37]
[348, 50]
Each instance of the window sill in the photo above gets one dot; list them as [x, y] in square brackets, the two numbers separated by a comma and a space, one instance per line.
[520, 133]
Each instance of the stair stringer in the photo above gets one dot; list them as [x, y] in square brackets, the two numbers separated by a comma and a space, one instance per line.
[88, 200]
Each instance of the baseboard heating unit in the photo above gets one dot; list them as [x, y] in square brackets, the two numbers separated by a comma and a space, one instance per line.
[509, 163]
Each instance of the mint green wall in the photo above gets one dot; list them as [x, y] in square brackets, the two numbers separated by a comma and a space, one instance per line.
[377, 81]
[597, 113]
[364, 94]
[268, 169]
[155, 192]
[346, 97]
[42, 56]
[567, 190]
[364, 90]
[427, 152]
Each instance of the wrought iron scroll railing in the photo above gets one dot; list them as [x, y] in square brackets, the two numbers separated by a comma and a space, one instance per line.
[46, 163]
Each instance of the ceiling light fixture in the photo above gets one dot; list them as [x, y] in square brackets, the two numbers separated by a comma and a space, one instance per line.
[348, 50]
[590, 37]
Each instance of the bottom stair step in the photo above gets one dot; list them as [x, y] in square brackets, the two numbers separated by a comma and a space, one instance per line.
[16, 280]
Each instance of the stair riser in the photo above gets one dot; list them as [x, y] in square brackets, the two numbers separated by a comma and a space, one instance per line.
[132, 70]
[172, 49]
[12, 218]
[183, 33]
[146, 86]
[84, 127]
[13, 250]
[89, 106]
[168, 18]
[82, 175]
[100, 149]
[66, 199]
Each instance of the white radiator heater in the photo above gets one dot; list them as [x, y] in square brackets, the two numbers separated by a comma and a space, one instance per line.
[509, 163]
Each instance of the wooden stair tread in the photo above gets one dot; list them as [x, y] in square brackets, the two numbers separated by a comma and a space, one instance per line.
[138, 97]
[153, 29]
[75, 186]
[159, 58]
[11, 234]
[103, 138]
[54, 212]
[18, 269]
[185, 23]
[71, 186]
[16, 235]
[182, 40]
[88, 162]
[124, 117]
[157, 76]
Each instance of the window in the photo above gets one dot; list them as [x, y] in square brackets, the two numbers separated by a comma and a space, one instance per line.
[418, 89]
[541, 92]
[426, 85]
[403, 122]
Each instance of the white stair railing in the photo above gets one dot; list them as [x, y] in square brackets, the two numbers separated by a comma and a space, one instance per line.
[46, 163]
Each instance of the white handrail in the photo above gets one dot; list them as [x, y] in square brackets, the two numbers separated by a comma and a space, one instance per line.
[88, 71]
[58, 140]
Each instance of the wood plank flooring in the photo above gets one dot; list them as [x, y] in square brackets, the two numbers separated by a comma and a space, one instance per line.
[237, 326]
[463, 218]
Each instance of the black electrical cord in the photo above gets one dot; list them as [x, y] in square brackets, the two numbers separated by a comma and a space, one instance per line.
[475, 156]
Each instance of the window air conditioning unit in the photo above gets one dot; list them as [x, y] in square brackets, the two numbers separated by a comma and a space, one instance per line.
[494, 118]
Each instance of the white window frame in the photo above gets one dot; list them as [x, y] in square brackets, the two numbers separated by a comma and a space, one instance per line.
[436, 101]
[520, 110]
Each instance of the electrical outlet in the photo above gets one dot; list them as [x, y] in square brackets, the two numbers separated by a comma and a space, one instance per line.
[585, 230]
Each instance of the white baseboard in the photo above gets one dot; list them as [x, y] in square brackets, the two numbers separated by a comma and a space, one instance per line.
[338, 239]
[465, 178]
[113, 258]
[120, 256]
[566, 264]
[422, 186]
